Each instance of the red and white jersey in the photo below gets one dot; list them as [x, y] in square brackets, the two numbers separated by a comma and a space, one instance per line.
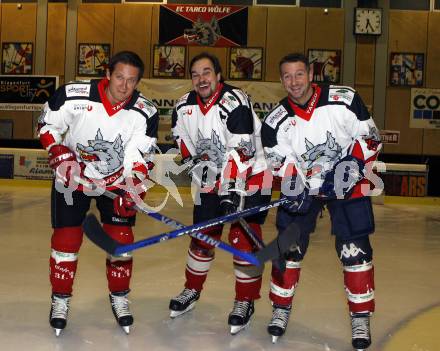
[312, 138]
[107, 139]
[220, 129]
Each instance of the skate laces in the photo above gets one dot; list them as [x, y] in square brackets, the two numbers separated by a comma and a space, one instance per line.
[120, 305]
[241, 308]
[360, 327]
[280, 317]
[60, 307]
[186, 295]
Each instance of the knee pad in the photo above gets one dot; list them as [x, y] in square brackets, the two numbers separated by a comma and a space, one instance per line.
[354, 252]
[300, 252]
[123, 235]
[214, 232]
[66, 240]
[240, 240]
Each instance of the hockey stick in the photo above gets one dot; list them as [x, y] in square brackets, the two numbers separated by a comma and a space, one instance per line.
[286, 241]
[180, 228]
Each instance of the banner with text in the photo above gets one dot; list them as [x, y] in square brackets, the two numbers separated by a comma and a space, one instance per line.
[26, 93]
[204, 25]
[425, 108]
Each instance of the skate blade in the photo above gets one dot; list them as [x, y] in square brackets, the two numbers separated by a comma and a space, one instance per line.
[57, 332]
[174, 314]
[126, 329]
[274, 339]
[235, 329]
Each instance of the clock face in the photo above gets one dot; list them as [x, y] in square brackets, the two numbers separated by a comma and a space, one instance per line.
[368, 21]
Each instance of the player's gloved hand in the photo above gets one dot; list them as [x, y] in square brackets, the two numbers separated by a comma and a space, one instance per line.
[58, 154]
[134, 192]
[203, 172]
[340, 181]
[298, 203]
[231, 201]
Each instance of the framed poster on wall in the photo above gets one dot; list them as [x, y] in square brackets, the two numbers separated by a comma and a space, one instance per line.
[406, 69]
[169, 61]
[17, 58]
[93, 59]
[245, 63]
[326, 65]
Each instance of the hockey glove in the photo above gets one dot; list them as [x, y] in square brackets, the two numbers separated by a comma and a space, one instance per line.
[134, 192]
[58, 154]
[297, 203]
[340, 181]
[231, 201]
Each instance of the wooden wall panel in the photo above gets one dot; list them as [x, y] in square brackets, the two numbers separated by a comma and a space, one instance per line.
[397, 107]
[407, 31]
[432, 73]
[285, 34]
[96, 23]
[365, 59]
[331, 29]
[19, 25]
[257, 26]
[367, 94]
[133, 31]
[56, 39]
[23, 128]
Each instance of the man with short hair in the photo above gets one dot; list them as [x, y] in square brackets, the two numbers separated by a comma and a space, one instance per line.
[320, 140]
[103, 131]
[218, 131]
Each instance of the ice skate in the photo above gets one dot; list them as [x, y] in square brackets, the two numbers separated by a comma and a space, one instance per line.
[360, 331]
[119, 303]
[59, 311]
[184, 302]
[278, 324]
[240, 316]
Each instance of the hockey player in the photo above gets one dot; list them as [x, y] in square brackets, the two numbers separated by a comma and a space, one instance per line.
[320, 140]
[102, 130]
[215, 123]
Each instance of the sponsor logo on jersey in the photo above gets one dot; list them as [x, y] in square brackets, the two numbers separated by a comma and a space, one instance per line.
[229, 102]
[188, 111]
[341, 94]
[273, 119]
[77, 90]
[80, 107]
[146, 106]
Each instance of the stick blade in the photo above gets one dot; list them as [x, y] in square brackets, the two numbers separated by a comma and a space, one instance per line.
[288, 239]
[93, 230]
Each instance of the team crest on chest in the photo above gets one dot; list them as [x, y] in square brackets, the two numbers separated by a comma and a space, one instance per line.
[105, 156]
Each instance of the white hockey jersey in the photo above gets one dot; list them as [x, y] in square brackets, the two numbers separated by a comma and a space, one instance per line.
[312, 138]
[216, 130]
[106, 139]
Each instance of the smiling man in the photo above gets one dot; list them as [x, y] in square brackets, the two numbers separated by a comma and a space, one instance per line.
[218, 131]
[103, 130]
[320, 140]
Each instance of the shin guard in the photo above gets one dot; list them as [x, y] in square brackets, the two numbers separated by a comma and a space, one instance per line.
[119, 268]
[65, 244]
[199, 260]
[283, 285]
[247, 276]
[359, 286]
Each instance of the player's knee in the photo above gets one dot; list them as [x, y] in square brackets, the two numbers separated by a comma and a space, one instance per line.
[123, 235]
[354, 252]
[297, 254]
[201, 249]
[67, 239]
[240, 240]
[211, 233]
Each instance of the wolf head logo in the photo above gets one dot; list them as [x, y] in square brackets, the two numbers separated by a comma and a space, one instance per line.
[203, 33]
[321, 157]
[106, 156]
[211, 149]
